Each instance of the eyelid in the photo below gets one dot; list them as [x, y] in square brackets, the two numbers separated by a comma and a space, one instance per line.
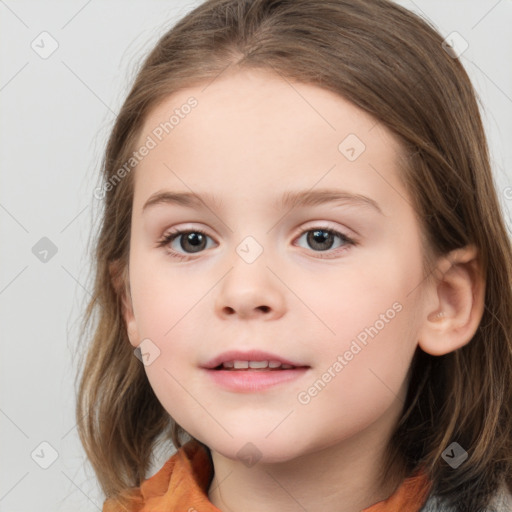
[324, 224]
[310, 225]
[174, 233]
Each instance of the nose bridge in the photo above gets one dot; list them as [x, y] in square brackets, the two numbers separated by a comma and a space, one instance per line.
[252, 231]
[252, 248]
[249, 261]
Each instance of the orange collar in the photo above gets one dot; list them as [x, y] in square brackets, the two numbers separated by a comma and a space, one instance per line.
[182, 485]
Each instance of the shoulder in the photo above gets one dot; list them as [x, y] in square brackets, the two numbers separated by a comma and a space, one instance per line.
[501, 502]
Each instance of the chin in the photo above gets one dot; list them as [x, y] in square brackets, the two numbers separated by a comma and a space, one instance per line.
[251, 450]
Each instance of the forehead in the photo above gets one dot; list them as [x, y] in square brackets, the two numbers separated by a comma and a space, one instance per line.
[269, 99]
[252, 130]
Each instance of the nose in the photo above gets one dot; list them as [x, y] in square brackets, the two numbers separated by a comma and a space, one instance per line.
[250, 290]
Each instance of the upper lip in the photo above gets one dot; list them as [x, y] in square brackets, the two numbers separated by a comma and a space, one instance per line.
[249, 355]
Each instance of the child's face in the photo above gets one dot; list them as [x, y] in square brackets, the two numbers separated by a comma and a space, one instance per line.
[350, 313]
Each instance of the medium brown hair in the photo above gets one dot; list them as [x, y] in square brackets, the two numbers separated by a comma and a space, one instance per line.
[390, 63]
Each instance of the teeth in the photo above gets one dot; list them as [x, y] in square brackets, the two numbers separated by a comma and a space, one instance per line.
[258, 364]
[244, 365]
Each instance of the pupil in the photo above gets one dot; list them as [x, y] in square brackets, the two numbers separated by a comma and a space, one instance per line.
[318, 237]
[195, 239]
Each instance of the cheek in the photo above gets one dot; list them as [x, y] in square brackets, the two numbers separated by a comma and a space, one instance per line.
[163, 295]
[365, 298]
[369, 320]
[165, 305]
[361, 374]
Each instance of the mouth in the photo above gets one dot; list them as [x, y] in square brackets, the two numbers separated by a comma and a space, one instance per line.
[251, 360]
[239, 376]
[252, 371]
[257, 366]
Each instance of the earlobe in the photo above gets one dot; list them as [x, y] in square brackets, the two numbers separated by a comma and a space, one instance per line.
[132, 331]
[120, 281]
[131, 324]
[458, 292]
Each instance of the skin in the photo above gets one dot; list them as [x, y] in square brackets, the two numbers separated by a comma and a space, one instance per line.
[253, 137]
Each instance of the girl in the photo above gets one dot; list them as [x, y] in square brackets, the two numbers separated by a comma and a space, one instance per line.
[371, 374]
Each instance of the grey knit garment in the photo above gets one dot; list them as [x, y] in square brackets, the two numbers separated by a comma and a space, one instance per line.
[502, 502]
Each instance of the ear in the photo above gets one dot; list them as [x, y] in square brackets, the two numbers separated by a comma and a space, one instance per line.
[457, 292]
[119, 274]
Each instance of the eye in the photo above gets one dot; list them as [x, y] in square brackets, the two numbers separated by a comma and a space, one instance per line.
[321, 239]
[193, 240]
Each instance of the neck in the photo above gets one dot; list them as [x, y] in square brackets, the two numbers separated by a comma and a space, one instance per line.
[341, 477]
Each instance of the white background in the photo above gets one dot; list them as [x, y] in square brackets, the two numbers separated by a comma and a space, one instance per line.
[56, 114]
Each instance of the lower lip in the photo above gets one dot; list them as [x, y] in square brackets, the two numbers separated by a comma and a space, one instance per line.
[254, 380]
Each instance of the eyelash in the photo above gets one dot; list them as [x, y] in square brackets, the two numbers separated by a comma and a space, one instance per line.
[169, 237]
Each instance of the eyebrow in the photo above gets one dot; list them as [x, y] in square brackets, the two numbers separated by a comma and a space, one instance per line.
[292, 199]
